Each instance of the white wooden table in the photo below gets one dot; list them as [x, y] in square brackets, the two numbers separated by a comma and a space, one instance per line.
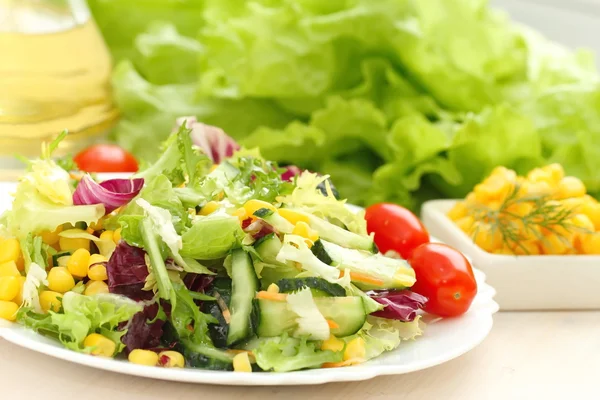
[527, 356]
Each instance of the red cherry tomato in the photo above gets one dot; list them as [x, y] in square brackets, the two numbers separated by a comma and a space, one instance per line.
[106, 158]
[445, 277]
[395, 228]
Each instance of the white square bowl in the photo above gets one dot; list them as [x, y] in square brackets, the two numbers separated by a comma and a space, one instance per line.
[542, 282]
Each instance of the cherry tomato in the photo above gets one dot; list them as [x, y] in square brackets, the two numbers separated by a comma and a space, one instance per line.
[445, 277]
[106, 158]
[395, 228]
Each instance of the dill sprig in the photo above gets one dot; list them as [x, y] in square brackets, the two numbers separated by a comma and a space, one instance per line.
[545, 214]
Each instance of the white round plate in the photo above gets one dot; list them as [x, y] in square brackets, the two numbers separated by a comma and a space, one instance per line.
[443, 340]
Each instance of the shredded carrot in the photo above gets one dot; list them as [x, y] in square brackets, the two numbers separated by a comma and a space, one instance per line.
[332, 324]
[190, 328]
[357, 276]
[347, 363]
[90, 230]
[263, 294]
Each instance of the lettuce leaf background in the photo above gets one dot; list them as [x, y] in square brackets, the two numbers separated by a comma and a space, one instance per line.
[398, 100]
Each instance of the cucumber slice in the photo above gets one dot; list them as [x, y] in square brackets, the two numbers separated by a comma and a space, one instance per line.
[319, 251]
[244, 286]
[275, 220]
[319, 285]
[267, 248]
[340, 236]
[347, 312]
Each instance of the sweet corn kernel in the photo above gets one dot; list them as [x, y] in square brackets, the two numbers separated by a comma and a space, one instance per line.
[520, 208]
[60, 280]
[10, 250]
[493, 188]
[555, 171]
[293, 216]
[117, 235]
[19, 298]
[241, 363]
[569, 186]
[590, 244]
[21, 263]
[98, 225]
[107, 235]
[50, 300]
[95, 287]
[241, 214]
[68, 244]
[582, 223]
[254, 205]
[273, 288]
[541, 188]
[555, 244]
[540, 175]
[143, 357]
[458, 211]
[9, 268]
[98, 273]
[8, 310]
[592, 210]
[171, 359]
[99, 345]
[302, 229]
[471, 199]
[465, 223]
[504, 250]
[78, 263]
[355, 349]
[209, 208]
[9, 287]
[527, 248]
[486, 237]
[97, 258]
[333, 344]
[51, 238]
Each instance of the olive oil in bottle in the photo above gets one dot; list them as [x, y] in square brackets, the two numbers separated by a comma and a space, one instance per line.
[54, 75]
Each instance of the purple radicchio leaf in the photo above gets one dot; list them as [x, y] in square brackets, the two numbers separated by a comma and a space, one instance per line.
[113, 193]
[213, 141]
[399, 304]
[127, 272]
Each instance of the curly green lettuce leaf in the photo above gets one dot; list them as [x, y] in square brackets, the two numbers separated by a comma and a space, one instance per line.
[311, 322]
[298, 143]
[381, 335]
[393, 273]
[152, 244]
[284, 354]
[35, 278]
[81, 315]
[32, 212]
[431, 45]
[105, 246]
[294, 249]
[151, 110]
[212, 237]
[307, 197]
[120, 37]
[497, 136]
[186, 314]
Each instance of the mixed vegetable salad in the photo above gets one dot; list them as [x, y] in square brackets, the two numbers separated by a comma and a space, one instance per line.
[212, 257]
